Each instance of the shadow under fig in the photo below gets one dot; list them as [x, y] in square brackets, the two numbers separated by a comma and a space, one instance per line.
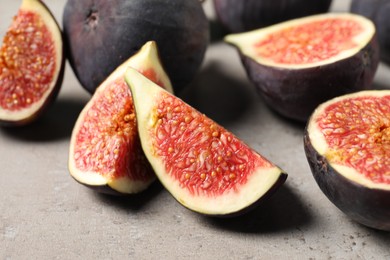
[282, 211]
[219, 96]
[134, 202]
[57, 123]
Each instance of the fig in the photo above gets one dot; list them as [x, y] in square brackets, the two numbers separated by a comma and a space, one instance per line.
[31, 64]
[298, 64]
[107, 33]
[377, 11]
[105, 151]
[347, 144]
[203, 166]
[245, 15]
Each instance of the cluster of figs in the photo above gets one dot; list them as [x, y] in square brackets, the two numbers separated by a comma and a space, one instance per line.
[307, 64]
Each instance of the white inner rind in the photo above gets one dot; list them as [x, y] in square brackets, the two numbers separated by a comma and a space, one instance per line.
[245, 42]
[259, 182]
[319, 143]
[146, 58]
[36, 7]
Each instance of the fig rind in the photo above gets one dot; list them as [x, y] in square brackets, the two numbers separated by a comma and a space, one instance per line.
[294, 91]
[363, 201]
[36, 110]
[260, 184]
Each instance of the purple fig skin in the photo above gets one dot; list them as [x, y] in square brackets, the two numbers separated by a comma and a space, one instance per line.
[295, 93]
[244, 15]
[370, 207]
[101, 35]
[378, 11]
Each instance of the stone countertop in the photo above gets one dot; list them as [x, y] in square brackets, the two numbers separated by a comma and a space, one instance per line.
[45, 214]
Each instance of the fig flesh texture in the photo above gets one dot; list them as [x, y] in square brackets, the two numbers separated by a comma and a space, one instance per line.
[347, 143]
[378, 11]
[245, 15]
[299, 64]
[109, 32]
[105, 151]
[31, 64]
[204, 167]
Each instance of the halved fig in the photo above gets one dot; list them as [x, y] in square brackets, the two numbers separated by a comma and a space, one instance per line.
[205, 167]
[347, 143]
[299, 64]
[31, 64]
[105, 151]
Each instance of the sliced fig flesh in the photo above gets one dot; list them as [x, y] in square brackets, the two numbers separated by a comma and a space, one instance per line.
[204, 166]
[31, 64]
[299, 64]
[105, 151]
[347, 142]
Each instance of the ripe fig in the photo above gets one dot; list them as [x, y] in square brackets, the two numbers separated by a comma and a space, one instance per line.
[31, 64]
[299, 64]
[109, 32]
[378, 11]
[206, 168]
[105, 151]
[244, 15]
[347, 143]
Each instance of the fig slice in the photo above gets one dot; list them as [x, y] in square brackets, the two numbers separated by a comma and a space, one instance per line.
[31, 64]
[347, 143]
[298, 64]
[205, 167]
[105, 151]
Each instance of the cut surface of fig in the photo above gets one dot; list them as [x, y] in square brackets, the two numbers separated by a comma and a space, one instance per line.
[298, 64]
[347, 142]
[204, 166]
[31, 64]
[105, 151]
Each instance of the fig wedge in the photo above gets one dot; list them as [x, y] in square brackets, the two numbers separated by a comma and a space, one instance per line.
[105, 152]
[205, 167]
[31, 64]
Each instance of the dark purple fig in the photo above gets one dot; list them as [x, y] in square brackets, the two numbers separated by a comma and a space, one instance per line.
[378, 11]
[245, 15]
[347, 144]
[101, 35]
[298, 64]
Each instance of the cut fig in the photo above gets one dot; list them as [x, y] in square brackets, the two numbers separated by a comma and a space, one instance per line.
[244, 15]
[299, 64]
[105, 151]
[347, 143]
[31, 64]
[107, 33]
[206, 168]
[378, 11]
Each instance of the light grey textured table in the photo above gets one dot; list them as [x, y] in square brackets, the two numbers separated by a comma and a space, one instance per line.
[45, 214]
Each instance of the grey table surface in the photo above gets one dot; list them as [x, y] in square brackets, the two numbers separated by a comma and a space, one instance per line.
[45, 214]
